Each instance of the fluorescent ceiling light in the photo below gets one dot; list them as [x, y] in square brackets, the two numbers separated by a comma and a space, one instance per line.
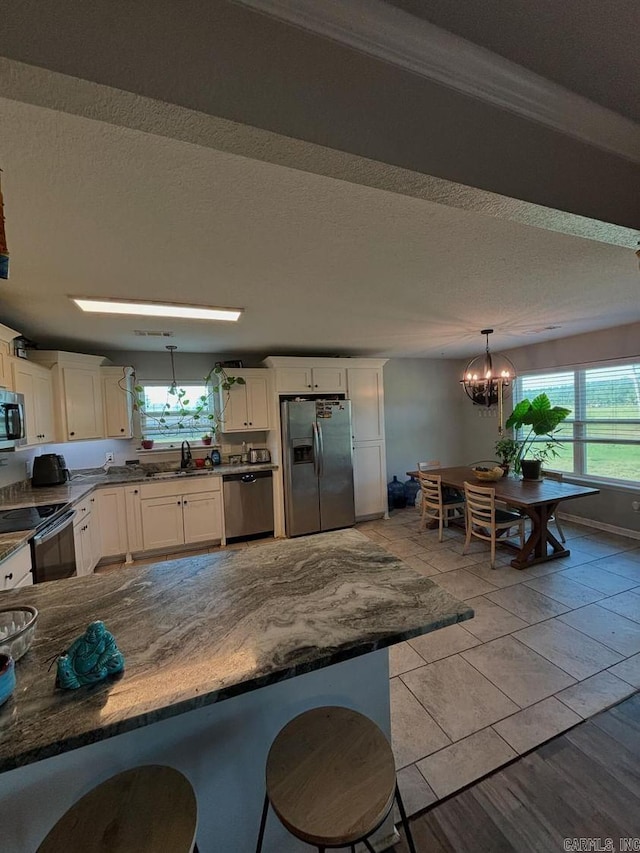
[157, 309]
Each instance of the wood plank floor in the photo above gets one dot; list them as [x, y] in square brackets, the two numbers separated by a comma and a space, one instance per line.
[583, 784]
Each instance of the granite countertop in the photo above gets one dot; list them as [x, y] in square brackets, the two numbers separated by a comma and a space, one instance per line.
[203, 629]
[11, 542]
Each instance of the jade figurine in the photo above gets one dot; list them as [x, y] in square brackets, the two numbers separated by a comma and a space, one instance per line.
[91, 658]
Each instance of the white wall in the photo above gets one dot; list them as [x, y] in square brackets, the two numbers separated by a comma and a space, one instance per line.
[422, 402]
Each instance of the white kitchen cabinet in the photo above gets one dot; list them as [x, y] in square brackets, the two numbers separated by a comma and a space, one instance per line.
[176, 514]
[82, 401]
[84, 542]
[369, 478]
[304, 380]
[117, 401]
[15, 571]
[245, 408]
[367, 403]
[134, 519]
[112, 512]
[6, 373]
[162, 522]
[202, 516]
[36, 385]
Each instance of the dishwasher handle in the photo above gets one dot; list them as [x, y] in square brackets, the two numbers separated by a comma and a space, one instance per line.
[248, 478]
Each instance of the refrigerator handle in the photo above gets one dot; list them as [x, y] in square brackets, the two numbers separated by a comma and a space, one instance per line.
[316, 449]
[321, 448]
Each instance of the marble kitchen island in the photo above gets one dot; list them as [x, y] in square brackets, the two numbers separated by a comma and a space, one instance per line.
[221, 651]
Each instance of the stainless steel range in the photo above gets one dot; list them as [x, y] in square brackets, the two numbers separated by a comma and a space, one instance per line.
[52, 547]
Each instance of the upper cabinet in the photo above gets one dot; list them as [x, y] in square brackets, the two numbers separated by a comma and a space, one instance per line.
[364, 386]
[117, 401]
[89, 400]
[6, 351]
[245, 408]
[300, 379]
[35, 383]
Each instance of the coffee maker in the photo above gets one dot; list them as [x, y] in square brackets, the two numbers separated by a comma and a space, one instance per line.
[49, 469]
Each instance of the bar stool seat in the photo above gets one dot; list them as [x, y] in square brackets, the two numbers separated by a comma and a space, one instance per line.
[149, 809]
[330, 778]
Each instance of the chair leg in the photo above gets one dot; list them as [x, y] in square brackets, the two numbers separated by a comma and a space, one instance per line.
[368, 846]
[440, 523]
[493, 548]
[560, 530]
[405, 822]
[263, 823]
[468, 536]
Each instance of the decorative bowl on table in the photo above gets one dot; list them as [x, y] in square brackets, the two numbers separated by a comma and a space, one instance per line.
[17, 629]
[491, 475]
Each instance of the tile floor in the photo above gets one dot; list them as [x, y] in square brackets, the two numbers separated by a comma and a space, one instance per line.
[548, 647]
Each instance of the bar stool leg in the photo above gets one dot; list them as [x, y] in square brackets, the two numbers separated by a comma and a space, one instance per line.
[405, 822]
[368, 846]
[263, 823]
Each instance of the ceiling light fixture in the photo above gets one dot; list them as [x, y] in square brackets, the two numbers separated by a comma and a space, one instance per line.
[487, 377]
[156, 309]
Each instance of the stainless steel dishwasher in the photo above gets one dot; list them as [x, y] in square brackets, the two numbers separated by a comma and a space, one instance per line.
[248, 504]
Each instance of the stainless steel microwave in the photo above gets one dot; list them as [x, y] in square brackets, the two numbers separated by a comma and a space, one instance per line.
[12, 425]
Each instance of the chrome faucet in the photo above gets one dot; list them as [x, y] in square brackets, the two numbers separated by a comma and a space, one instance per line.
[186, 459]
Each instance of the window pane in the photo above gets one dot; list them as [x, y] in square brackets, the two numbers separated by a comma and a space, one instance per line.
[559, 387]
[563, 461]
[614, 461]
[613, 394]
[161, 417]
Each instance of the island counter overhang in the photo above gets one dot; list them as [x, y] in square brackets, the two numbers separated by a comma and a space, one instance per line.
[197, 631]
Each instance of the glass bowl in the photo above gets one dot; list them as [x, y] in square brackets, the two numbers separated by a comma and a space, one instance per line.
[17, 629]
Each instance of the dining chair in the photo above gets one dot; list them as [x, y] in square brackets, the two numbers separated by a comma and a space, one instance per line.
[555, 475]
[485, 520]
[427, 466]
[435, 505]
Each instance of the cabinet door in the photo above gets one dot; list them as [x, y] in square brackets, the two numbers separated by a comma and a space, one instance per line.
[202, 517]
[6, 378]
[43, 394]
[367, 401]
[162, 525]
[113, 522]
[329, 379]
[257, 389]
[94, 545]
[118, 403]
[134, 519]
[83, 402]
[369, 479]
[233, 405]
[24, 384]
[81, 545]
[294, 380]
[15, 569]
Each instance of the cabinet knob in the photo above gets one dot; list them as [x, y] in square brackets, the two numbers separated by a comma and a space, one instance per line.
[178, 502]
[315, 386]
[135, 491]
[121, 429]
[72, 433]
[308, 386]
[250, 423]
[245, 423]
[9, 576]
[92, 500]
[184, 503]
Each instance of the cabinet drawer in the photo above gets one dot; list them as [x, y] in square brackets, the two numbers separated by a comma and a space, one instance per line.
[180, 486]
[84, 506]
[15, 569]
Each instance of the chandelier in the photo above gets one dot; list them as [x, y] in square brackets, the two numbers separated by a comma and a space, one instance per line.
[488, 377]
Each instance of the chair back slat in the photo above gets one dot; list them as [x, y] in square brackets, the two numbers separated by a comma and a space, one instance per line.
[431, 488]
[481, 503]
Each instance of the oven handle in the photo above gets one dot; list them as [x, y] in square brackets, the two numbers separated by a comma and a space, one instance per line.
[50, 532]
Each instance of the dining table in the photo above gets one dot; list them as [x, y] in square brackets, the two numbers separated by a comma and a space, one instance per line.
[537, 499]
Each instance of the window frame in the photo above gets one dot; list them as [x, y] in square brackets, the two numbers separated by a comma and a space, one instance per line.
[579, 422]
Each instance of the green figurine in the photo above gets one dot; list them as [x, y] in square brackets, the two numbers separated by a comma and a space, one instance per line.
[90, 658]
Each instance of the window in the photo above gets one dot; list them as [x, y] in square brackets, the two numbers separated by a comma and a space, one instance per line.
[601, 437]
[165, 418]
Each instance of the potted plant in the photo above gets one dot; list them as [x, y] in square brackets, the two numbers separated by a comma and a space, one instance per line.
[541, 419]
[507, 452]
[206, 438]
[147, 443]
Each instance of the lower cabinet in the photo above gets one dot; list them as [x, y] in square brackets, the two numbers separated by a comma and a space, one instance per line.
[85, 544]
[134, 518]
[369, 479]
[113, 522]
[15, 571]
[181, 519]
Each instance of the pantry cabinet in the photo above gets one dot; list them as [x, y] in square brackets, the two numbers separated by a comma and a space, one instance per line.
[245, 408]
[369, 479]
[36, 385]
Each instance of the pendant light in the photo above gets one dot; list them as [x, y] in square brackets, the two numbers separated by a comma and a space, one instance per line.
[487, 378]
[173, 388]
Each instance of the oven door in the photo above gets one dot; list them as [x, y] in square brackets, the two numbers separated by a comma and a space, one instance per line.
[53, 551]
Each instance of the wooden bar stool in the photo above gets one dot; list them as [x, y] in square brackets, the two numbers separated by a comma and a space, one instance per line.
[150, 809]
[331, 779]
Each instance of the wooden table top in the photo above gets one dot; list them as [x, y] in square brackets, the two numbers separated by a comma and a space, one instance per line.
[513, 490]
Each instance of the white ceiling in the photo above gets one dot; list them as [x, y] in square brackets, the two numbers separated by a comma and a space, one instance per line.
[319, 265]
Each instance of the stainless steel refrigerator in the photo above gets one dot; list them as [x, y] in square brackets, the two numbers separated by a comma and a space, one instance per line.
[318, 466]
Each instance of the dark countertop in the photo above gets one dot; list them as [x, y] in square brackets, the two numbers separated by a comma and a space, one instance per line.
[203, 629]
[12, 542]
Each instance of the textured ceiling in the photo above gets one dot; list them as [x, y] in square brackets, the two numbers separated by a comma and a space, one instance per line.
[319, 264]
[588, 46]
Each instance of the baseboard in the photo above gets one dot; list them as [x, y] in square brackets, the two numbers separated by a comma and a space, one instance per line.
[600, 525]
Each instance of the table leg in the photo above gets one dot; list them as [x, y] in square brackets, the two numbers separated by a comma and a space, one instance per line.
[535, 548]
